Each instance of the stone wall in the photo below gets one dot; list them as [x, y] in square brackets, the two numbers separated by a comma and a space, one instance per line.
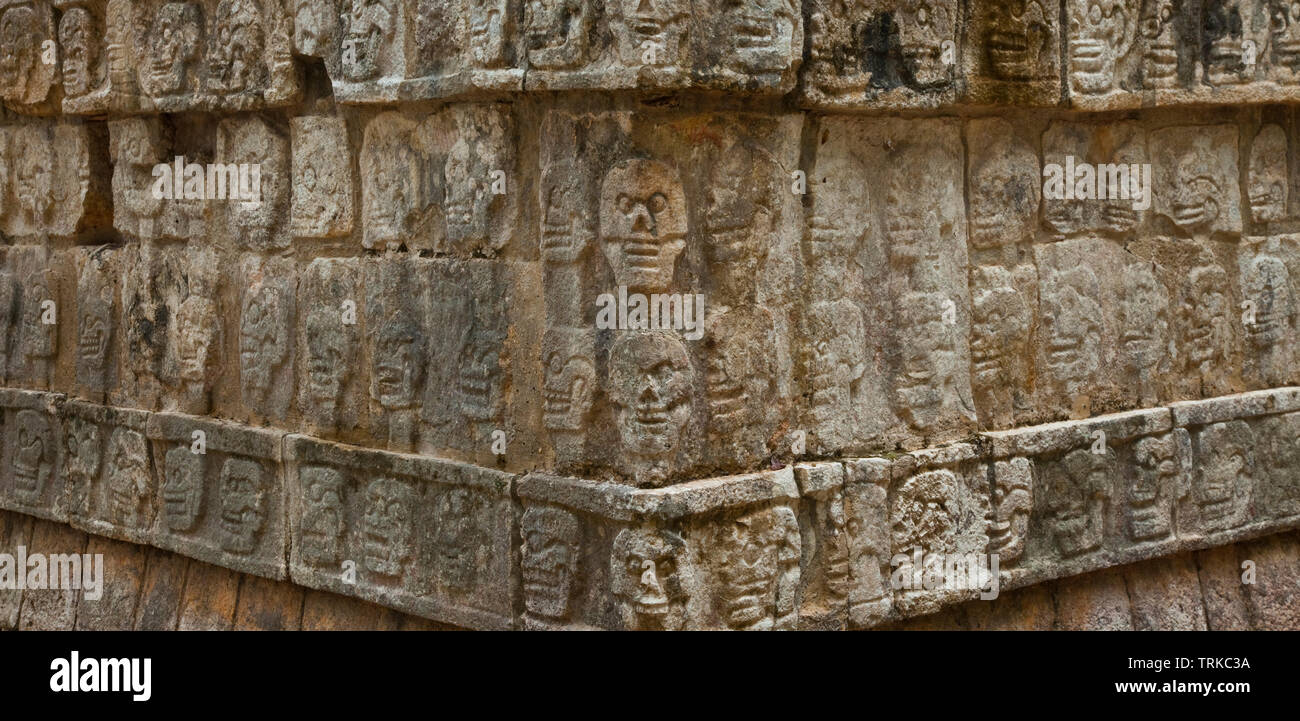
[391, 377]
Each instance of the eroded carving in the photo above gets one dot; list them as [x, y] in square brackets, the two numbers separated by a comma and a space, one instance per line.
[651, 384]
[323, 519]
[387, 524]
[642, 223]
[647, 569]
[552, 540]
[243, 505]
[755, 559]
[182, 490]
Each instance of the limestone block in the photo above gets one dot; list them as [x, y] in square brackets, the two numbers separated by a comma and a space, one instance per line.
[331, 383]
[110, 486]
[939, 506]
[423, 535]
[28, 66]
[209, 600]
[224, 505]
[323, 178]
[885, 53]
[721, 553]
[258, 145]
[58, 183]
[98, 347]
[31, 479]
[885, 332]
[37, 311]
[844, 519]
[1271, 313]
[1011, 53]
[266, 337]
[223, 55]
[446, 182]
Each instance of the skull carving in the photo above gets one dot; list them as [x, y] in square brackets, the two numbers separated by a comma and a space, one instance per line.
[1268, 285]
[836, 360]
[128, 478]
[370, 27]
[40, 339]
[1284, 39]
[81, 461]
[927, 364]
[650, 383]
[1020, 40]
[1072, 324]
[1221, 42]
[399, 353]
[1158, 470]
[739, 372]
[235, 57]
[999, 329]
[1075, 496]
[924, 26]
[461, 535]
[1223, 484]
[323, 520]
[548, 562]
[646, 576]
[1008, 520]
[738, 217]
[94, 329]
[387, 527]
[198, 324]
[1160, 44]
[33, 455]
[569, 384]
[33, 175]
[924, 512]
[759, 35]
[1004, 191]
[1101, 32]
[263, 342]
[1267, 179]
[174, 42]
[642, 223]
[649, 29]
[1197, 193]
[182, 490]
[328, 356]
[21, 36]
[315, 27]
[80, 42]
[1204, 318]
[469, 197]
[479, 386]
[243, 505]
[754, 553]
[1144, 318]
[488, 23]
[557, 32]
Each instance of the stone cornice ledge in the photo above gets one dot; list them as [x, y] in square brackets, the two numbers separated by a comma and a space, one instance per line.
[815, 545]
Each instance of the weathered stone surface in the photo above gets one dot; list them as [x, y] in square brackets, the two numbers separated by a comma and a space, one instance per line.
[266, 605]
[1165, 595]
[223, 505]
[109, 477]
[1222, 589]
[123, 576]
[15, 531]
[49, 609]
[1096, 602]
[161, 591]
[431, 537]
[31, 479]
[209, 600]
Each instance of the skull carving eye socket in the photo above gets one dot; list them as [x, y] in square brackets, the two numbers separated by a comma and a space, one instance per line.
[657, 203]
[624, 203]
[666, 567]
